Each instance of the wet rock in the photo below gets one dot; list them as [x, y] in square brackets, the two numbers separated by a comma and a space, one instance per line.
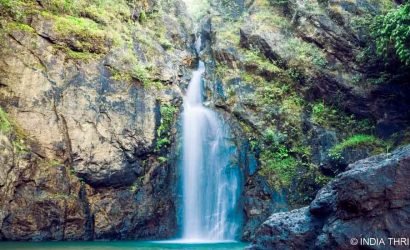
[135, 214]
[322, 141]
[370, 200]
[289, 230]
[259, 202]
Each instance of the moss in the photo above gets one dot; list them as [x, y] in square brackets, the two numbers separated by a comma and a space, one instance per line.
[162, 159]
[384, 5]
[134, 187]
[269, 18]
[76, 25]
[278, 166]
[120, 76]
[88, 35]
[304, 54]
[84, 56]
[134, 69]
[76, 55]
[64, 6]
[141, 73]
[333, 118]
[16, 9]
[321, 179]
[20, 26]
[156, 32]
[227, 33]
[167, 112]
[142, 17]
[6, 4]
[5, 125]
[254, 56]
[8, 126]
[13, 131]
[89, 26]
[55, 163]
[355, 141]
[165, 43]
[105, 9]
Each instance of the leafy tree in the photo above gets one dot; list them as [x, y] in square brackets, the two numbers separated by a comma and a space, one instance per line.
[392, 33]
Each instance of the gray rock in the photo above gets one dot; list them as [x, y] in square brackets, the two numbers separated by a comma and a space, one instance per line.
[370, 200]
[322, 141]
[92, 170]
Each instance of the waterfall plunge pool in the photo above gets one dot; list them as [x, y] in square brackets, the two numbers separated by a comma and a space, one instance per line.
[122, 245]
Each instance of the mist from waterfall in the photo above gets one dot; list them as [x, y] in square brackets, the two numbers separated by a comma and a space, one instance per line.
[211, 185]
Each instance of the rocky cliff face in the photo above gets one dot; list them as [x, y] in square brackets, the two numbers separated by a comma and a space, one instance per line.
[94, 160]
[291, 76]
[370, 200]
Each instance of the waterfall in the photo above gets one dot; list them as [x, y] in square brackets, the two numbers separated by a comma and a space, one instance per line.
[211, 185]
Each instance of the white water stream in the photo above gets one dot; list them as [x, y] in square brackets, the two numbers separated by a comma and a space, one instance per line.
[211, 184]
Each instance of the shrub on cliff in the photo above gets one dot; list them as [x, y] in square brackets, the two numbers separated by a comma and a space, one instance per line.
[392, 33]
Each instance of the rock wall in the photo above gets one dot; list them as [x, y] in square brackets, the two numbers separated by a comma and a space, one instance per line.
[290, 77]
[94, 160]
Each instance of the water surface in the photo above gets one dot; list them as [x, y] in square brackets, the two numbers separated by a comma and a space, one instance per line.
[119, 245]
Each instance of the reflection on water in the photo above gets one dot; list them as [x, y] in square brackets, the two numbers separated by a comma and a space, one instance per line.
[118, 245]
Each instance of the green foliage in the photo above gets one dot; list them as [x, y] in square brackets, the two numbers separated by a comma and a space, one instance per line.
[20, 26]
[254, 56]
[13, 8]
[278, 166]
[89, 36]
[10, 128]
[355, 141]
[333, 118]
[168, 112]
[141, 73]
[6, 4]
[54, 163]
[83, 56]
[76, 25]
[64, 6]
[304, 53]
[227, 31]
[134, 69]
[165, 43]
[268, 17]
[321, 179]
[134, 187]
[162, 159]
[107, 8]
[143, 17]
[392, 33]
[5, 124]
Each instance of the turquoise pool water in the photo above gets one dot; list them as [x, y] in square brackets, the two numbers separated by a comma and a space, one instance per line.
[119, 245]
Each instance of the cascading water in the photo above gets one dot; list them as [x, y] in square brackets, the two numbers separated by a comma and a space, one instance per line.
[211, 181]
